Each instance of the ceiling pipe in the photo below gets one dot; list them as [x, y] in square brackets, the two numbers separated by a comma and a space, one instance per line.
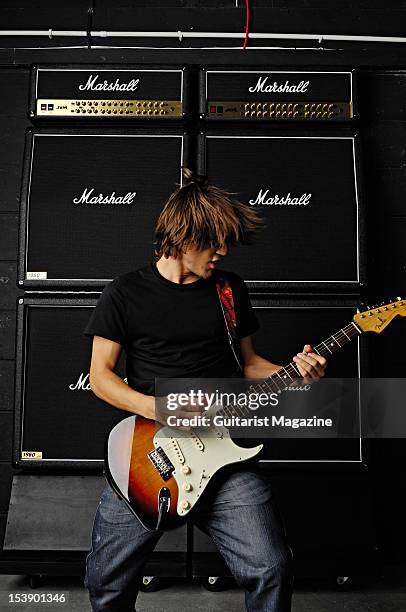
[214, 35]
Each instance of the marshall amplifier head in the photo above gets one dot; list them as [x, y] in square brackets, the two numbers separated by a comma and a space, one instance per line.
[285, 326]
[59, 421]
[306, 189]
[109, 93]
[276, 95]
[90, 200]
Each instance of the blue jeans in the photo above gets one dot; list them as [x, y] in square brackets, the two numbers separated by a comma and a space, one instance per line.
[241, 516]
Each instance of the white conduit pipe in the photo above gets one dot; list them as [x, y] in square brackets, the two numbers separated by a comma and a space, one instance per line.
[50, 33]
[179, 34]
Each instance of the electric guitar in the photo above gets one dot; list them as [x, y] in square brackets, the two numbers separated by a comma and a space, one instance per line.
[162, 473]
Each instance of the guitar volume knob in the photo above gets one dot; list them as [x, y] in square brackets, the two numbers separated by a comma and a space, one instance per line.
[186, 469]
[185, 505]
[187, 486]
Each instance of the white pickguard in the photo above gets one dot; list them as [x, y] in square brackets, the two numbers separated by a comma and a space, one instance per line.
[202, 451]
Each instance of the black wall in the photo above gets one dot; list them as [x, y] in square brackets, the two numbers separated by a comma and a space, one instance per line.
[381, 72]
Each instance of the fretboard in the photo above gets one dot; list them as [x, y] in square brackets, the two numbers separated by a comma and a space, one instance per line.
[286, 375]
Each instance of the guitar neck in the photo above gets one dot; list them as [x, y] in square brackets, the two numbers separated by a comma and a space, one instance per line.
[281, 379]
[284, 376]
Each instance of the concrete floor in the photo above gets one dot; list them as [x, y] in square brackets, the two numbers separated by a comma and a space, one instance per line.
[386, 594]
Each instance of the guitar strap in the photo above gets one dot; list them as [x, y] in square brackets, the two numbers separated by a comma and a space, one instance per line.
[226, 298]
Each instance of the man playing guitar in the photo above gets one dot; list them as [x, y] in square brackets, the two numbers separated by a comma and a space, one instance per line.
[167, 317]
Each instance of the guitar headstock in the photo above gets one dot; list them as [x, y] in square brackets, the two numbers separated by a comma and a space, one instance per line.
[377, 318]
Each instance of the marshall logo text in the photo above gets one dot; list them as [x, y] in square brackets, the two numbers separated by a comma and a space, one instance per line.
[92, 85]
[277, 200]
[83, 384]
[87, 198]
[263, 87]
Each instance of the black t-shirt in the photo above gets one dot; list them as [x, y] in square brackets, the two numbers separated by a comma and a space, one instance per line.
[168, 329]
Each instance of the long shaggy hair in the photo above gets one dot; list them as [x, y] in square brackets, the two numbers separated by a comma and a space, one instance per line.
[202, 215]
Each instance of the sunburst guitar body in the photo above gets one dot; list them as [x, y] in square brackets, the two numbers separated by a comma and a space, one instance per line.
[161, 472]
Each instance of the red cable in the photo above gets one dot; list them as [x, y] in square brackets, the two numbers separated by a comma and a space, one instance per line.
[247, 20]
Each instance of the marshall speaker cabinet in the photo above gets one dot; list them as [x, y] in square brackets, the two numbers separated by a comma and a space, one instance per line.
[92, 92]
[275, 95]
[59, 421]
[306, 187]
[90, 200]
